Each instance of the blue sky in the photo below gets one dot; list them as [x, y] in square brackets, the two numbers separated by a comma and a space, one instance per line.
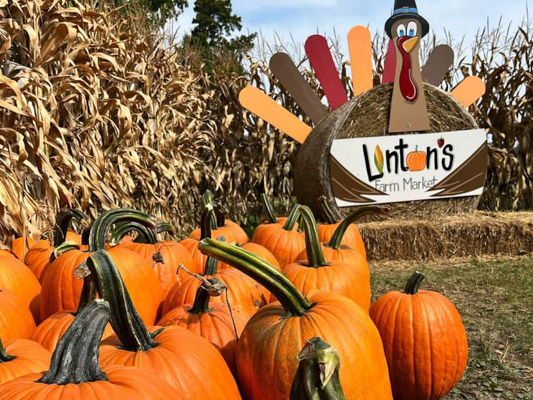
[300, 18]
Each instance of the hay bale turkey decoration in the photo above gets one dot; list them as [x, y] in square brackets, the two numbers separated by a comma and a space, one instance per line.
[405, 142]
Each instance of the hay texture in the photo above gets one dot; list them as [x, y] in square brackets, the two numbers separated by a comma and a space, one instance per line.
[474, 235]
[368, 115]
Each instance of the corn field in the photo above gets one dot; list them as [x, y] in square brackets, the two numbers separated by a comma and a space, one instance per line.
[96, 112]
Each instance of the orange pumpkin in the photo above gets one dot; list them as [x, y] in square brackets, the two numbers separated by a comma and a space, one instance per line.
[61, 289]
[166, 256]
[16, 320]
[267, 352]
[18, 278]
[416, 160]
[21, 245]
[327, 274]
[74, 373]
[191, 244]
[20, 357]
[186, 361]
[285, 242]
[38, 256]
[424, 339]
[243, 293]
[352, 236]
[211, 320]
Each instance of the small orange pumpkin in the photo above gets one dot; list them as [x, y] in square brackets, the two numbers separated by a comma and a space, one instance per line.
[20, 357]
[416, 160]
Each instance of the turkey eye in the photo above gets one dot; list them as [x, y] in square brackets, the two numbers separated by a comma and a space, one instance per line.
[412, 28]
[401, 30]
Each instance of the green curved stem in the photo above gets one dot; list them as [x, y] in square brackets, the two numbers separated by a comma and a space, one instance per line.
[204, 294]
[268, 208]
[4, 357]
[125, 320]
[413, 284]
[75, 359]
[326, 211]
[61, 249]
[317, 376]
[337, 236]
[144, 233]
[259, 270]
[102, 225]
[315, 255]
[165, 227]
[292, 218]
[211, 264]
[63, 220]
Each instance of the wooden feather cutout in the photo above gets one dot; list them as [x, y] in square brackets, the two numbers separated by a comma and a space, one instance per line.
[360, 46]
[469, 91]
[292, 80]
[439, 62]
[266, 108]
[317, 49]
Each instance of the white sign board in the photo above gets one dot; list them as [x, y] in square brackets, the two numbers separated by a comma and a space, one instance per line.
[389, 169]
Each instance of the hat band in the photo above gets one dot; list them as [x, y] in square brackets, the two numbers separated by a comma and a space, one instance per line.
[406, 10]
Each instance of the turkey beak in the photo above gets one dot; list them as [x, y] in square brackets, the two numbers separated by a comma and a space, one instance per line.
[409, 44]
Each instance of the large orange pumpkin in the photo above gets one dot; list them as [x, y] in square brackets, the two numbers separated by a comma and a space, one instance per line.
[20, 357]
[285, 242]
[315, 271]
[18, 278]
[75, 374]
[424, 339]
[61, 289]
[21, 245]
[211, 320]
[185, 360]
[267, 352]
[16, 320]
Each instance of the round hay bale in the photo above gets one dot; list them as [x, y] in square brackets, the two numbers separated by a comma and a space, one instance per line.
[368, 115]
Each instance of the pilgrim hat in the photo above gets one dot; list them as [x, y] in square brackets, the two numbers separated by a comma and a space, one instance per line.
[406, 9]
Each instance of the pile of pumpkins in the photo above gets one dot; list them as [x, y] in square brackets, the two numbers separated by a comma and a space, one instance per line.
[116, 310]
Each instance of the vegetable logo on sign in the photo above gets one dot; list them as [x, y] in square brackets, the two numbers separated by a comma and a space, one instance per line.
[408, 167]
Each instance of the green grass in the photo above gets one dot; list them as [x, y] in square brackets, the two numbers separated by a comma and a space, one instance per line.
[495, 299]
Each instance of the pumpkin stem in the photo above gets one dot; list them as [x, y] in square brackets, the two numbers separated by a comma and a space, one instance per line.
[315, 255]
[102, 225]
[208, 202]
[144, 233]
[165, 227]
[75, 359]
[211, 264]
[203, 296]
[292, 218]
[337, 236]
[221, 217]
[317, 376]
[207, 224]
[88, 293]
[413, 284]
[4, 357]
[63, 220]
[125, 320]
[326, 211]
[62, 248]
[259, 270]
[268, 208]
